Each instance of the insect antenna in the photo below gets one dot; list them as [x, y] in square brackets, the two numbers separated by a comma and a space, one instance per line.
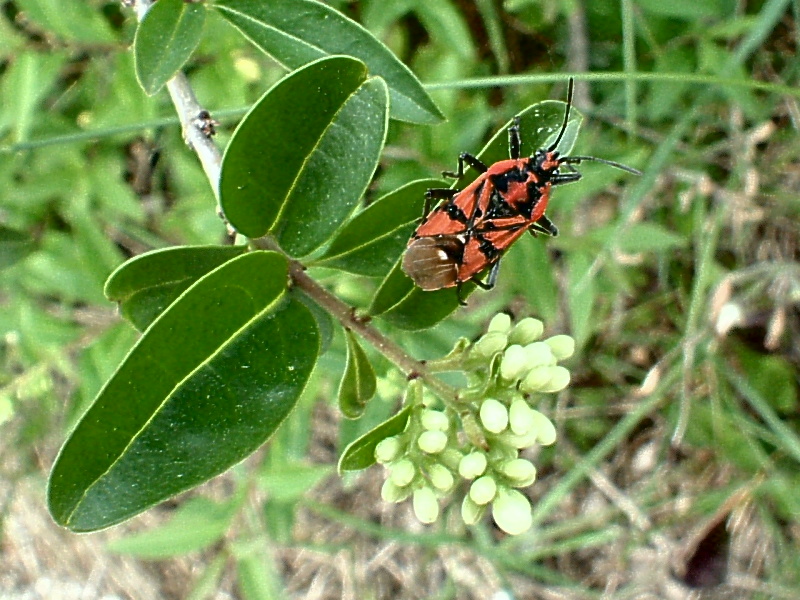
[576, 160]
[566, 116]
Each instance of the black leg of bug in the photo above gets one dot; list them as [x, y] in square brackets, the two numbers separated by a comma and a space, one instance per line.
[473, 162]
[513, 139]
[562, 178]
[545, 226]
[437, 194]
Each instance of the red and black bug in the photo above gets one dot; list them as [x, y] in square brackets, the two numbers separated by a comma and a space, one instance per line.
[473, 227]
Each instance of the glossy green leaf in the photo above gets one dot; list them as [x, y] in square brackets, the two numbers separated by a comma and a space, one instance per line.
[371, 242]
[296, 32]
[209, 381]
[358, 380]
[302, 157]
[147, 284]
[165, 39]
[198, 523]
[360, 454]
[14, 246]
[325, 322]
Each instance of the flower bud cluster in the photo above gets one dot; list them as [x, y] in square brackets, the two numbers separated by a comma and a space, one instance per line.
[505, 367]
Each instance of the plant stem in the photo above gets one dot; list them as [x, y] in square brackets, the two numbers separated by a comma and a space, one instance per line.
[189, 111]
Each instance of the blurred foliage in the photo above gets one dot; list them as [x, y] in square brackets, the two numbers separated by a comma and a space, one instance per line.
[681, 287]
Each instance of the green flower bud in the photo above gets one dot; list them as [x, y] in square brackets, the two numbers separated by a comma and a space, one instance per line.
[563, 346]
[521, 472]
[526, 331]
[432, 442]
[441, 477]
[520, 417]
[544, 429]
[471, 513]
[559, 379]
[490, 344]
[539, 355]
[483, 490]
[426, 507]
[434, 420]
[512, 512]
[402, 472]
[519, 441]
[494, 415]
[500, 322]
[391, 493]
[472, 465]
[536, 379]
[514, 363]
[387, 450]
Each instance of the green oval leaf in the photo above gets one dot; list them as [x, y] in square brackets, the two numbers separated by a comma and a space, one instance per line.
[147, 284]
[165, 39]
[360, 453]
[196, 524]
[358, 381]
[209, 382]
[296, 32]
[370, 243]
[303, 156]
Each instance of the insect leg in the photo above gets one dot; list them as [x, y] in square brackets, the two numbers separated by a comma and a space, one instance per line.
[513, 139]
[490, 280]
[545, 226]
[437, 194]
[473, 162]
[461, 300]
[562, 178]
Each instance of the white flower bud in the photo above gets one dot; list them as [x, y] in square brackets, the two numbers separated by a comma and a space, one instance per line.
[526, 331]
[544, 428]
[512, 512]
[402, 472]
[514, 363]
[539, 354]
[500, 322]
[559, 379]
[563, 346]
[471, 513]
[472, 465]
[387, 450]
[426, 507]
[434, 420]
[490, 344]
[432, 442]
[483, 490]
[521, 472]
[441, 477]
[494, 415]
[520, 417]
[536, 379]
[391, 493]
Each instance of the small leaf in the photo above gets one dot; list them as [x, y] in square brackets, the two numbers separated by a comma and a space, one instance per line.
[360, 454]
[296, 32]
[371, 242]
[14, 246]
[581, 296]
[302, 157]
[147, 284]
[206, 385]
[358, 380]
[399, 302]
[196, 524]
[165, 39]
